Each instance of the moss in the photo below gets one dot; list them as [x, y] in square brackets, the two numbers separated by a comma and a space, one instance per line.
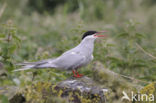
[60, 93]
[36, 91]
[85, 100]
[149, 89]
[71, 96]
[53, 89]
[41, 92]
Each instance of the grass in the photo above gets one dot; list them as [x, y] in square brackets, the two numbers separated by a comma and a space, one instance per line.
[48, 35]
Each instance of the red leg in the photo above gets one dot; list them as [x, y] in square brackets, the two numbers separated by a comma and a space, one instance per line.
[73, 73]
[79, 74]
[76, 74]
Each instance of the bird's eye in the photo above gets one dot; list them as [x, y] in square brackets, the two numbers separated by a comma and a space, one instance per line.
[94, 35]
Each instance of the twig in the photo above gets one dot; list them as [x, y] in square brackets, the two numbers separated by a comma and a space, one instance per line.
[145, 51]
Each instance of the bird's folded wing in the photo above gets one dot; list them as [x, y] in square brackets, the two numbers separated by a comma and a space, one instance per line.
[70, 60]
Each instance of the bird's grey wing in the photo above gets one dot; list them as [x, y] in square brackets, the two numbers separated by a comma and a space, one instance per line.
[70, 60]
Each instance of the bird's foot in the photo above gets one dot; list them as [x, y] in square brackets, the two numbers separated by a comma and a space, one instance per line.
[76, 74]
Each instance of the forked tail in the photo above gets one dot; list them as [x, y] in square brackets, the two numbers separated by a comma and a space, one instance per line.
[32, 65]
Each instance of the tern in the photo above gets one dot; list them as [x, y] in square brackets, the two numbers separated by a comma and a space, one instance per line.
[75, 58]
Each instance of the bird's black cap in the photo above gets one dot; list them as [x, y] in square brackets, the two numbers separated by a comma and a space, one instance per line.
[88, 33]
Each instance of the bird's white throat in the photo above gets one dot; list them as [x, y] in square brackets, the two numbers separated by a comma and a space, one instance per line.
[88, 43]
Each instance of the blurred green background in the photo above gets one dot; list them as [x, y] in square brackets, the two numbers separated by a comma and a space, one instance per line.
[32, 30]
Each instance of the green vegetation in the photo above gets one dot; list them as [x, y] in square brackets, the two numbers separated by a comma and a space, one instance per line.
[32, 30]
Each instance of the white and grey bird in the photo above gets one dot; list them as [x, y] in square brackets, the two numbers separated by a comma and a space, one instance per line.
[72, 59]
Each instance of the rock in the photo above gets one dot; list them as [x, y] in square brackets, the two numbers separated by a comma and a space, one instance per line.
[82, 90]
[18, 98]
[85, 88]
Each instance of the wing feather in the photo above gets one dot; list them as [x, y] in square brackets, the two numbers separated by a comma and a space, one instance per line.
[70, 60]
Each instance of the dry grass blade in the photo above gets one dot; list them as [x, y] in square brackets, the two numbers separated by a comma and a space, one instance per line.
[145, 51]
[131, 78]
[2, 9]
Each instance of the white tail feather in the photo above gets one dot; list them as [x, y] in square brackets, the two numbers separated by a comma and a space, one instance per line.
[40, 64]
[24, 68]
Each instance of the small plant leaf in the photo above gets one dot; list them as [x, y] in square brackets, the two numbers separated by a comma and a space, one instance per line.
[16, 38]
[138, 35]
[3, 99]
[2, 35]
[125, 34]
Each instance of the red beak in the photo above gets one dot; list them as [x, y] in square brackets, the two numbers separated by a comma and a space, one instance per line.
[100, 33]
